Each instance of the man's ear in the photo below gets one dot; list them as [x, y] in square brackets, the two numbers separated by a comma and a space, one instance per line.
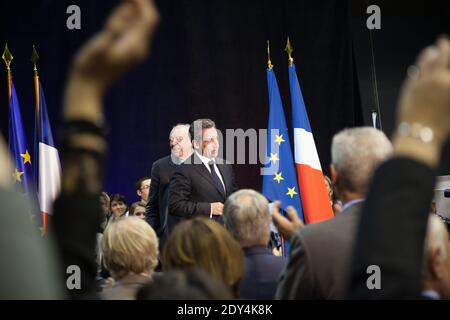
[333, 173]
[139, 193]
[434, 262]
[195, 144]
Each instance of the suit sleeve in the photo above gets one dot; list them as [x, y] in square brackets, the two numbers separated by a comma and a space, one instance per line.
[180, 195]
[392, 230]
[296, 281]
[152, 209]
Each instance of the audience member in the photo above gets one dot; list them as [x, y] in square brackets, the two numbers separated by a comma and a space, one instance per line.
[118, 207]
[137, 209]
[436, 281]
[130, 253]
[105, 205]
[423, 127]
[203, 243]
[335, 203]
[247, 217]
[321, 253]
[189, 284]
[143, 188]
[121, 44]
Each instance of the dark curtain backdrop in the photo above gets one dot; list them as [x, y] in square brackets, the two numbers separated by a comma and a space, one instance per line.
[208, 60]
[407, 26]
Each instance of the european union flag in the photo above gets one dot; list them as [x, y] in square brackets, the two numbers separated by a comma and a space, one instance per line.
[279, 176]
[23, 173]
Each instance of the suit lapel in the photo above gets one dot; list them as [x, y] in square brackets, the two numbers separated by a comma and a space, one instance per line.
[201, 169]
[225, 179]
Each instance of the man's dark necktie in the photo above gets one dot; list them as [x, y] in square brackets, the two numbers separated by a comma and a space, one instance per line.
[216, 178]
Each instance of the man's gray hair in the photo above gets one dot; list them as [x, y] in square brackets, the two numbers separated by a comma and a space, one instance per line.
[356, 153]
[180, 125]
[247, 217]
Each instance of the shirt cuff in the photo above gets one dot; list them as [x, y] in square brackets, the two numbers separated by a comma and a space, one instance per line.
[210, 211]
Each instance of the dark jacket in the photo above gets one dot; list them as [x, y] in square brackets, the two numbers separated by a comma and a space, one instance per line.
[157, 206]
[262, 272]
[320, 258]
[391, 233]
[192, 190]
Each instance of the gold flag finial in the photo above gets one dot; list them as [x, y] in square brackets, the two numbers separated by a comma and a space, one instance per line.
[7, 57]
[289, 51]
[269, 63]
[34, 58]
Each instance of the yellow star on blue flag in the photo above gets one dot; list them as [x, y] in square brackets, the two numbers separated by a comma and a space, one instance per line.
[279, 175]
[23, 173]
[26, 157]
[279, 139]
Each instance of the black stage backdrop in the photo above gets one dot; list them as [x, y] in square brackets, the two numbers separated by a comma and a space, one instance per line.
[208, 60]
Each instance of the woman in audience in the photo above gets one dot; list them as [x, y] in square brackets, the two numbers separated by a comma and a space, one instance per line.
[118, 206]
[137, 209]
[105, 205]
[203, 243]
[130, 253]
[335, 203]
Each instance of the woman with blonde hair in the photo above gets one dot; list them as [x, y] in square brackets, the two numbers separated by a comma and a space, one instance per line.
[203, 243]
[130, 253]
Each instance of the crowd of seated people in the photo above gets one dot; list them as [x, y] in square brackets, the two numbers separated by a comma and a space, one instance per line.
[203, 259]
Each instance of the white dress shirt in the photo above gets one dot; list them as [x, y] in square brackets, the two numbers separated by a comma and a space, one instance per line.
[205, 161]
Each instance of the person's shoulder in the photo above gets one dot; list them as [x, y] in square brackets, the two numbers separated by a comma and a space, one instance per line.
[320, 229]
[162, 161]
[222, 161]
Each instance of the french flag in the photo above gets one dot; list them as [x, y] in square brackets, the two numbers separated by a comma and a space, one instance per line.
[315, 202]
[49, 166]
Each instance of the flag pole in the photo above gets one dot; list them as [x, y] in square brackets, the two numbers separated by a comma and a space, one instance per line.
[7, 57]
[34, 60]
[289, 51]
[269, 63]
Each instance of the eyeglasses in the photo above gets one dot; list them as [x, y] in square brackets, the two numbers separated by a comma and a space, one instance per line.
[146, 186]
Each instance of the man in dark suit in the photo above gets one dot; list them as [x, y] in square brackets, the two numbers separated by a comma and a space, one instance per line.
[247, 217]
[203, 182]
[321, 253]
[162, 171]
